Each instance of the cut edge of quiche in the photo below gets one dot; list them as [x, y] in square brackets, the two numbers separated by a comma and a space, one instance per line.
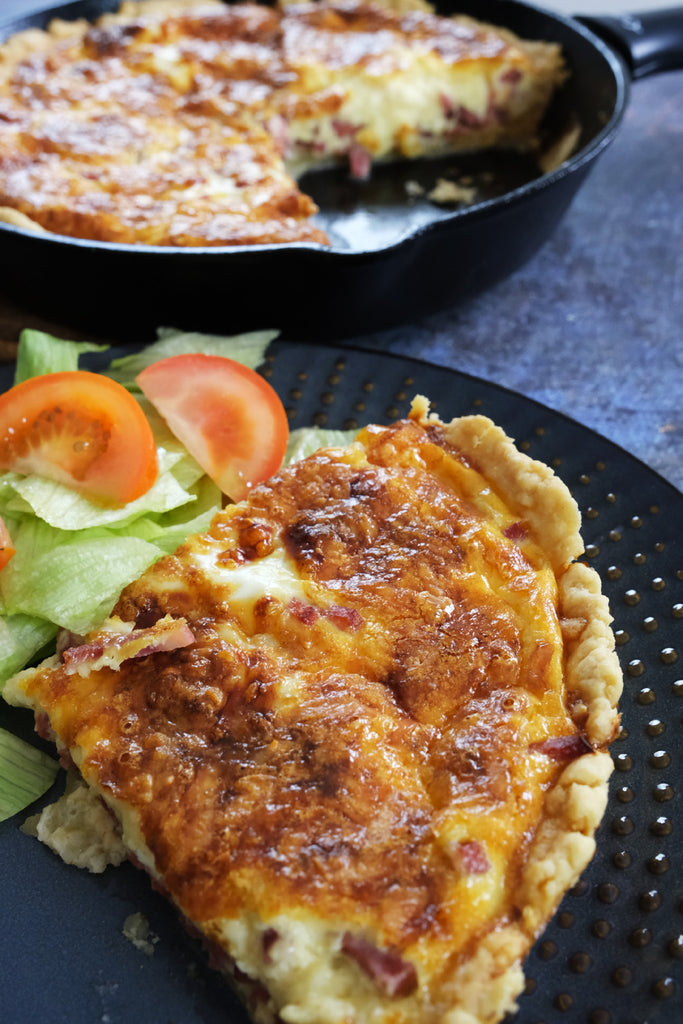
[311, 575]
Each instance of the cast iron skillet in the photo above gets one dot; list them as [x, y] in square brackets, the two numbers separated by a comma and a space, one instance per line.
[392, 258]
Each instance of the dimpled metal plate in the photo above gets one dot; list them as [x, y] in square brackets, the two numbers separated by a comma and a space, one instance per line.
[613, 954]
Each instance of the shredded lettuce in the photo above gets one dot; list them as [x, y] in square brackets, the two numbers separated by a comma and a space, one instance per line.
[25, 774]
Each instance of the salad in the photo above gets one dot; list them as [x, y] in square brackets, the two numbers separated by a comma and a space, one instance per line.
[103, 473]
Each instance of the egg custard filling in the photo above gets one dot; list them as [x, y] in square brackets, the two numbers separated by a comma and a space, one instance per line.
[358, 730]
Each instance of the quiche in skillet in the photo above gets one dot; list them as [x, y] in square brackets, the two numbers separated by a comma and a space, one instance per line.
[187, 124]
[358, 731]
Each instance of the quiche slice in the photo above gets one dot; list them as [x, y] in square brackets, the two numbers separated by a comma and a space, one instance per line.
[358, 730]
[187, 124]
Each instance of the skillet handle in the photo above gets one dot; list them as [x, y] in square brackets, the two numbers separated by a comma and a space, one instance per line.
[650, 42]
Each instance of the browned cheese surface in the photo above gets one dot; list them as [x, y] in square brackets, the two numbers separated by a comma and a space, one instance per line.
[337, 749]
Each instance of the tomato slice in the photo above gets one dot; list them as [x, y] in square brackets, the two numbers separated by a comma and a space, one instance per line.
[7, 548]
[227, 416]
[82, 429]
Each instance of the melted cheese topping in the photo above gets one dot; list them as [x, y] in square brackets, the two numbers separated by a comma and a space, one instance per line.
[362, 735]
[171, 128]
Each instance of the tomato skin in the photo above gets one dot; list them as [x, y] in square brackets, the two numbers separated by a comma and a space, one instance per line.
[7, 549]
[227, 416]
[81, 429]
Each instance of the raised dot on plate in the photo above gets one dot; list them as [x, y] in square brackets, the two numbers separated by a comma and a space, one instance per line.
[664, 988]
[621, 637]
[646, 696]
[635, 667]
[661, 826]
[658, 583]
[677, 688]
[614, 535]
[655, 727]
[639, 558]
[623, 826]
[651, 900]
[635, 522]
[650, 624]
[623, 762]
[608, 892]
[631, 597]
[563, 1001]
[622, 859]
[675, 947]
[677, 611]
[601, 928]
[600, 1016]
[625, 795]
[663, 792]
[660, 759]
[640, 937]
[622, 976]
[579, 963]
[668, 655]
[659, 864]
[547, 950]
[565, 919]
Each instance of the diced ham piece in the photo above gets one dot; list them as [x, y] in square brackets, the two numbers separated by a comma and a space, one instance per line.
[343, 618]
[393, 976]
[511, 76]
[472, 857]
[563, 748]
[515, 531]
[344, 129]
[305, 613]
[447, 105]
[360, 162]
[168, 634]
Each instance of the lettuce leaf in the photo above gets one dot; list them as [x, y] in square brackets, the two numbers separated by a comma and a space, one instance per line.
[305, 440]
[40, 353]
[249, 349]
[25, 774]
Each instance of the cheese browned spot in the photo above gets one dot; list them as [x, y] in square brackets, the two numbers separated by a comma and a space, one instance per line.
[372, 775]
[186, 124]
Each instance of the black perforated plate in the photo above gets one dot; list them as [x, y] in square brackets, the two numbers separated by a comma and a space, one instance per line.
[613, 954]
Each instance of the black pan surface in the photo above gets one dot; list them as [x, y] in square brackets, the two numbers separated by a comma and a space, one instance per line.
[392, 257]
[613, 954]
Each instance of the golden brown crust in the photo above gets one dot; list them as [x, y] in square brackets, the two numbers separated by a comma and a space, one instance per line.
[166, 123]
[386, 742]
